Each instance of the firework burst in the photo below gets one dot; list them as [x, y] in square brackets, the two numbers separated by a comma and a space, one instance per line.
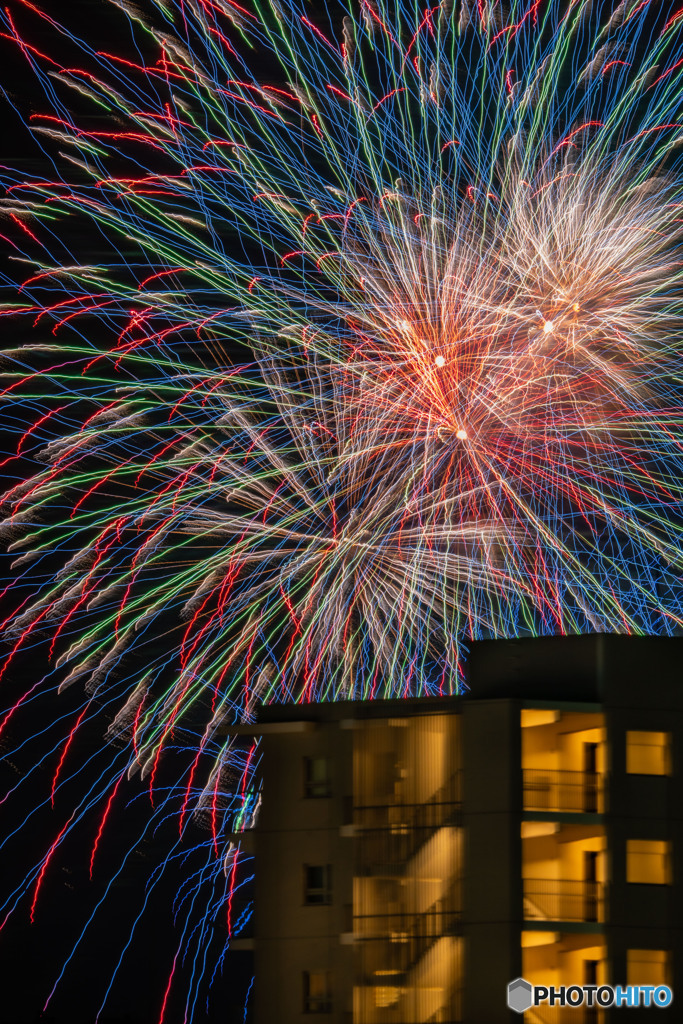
[387, 359]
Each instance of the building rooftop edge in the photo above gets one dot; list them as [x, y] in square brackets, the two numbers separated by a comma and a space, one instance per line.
[588, 672]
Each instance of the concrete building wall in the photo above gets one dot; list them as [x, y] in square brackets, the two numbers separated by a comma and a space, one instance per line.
[295, 831]
[492, 883]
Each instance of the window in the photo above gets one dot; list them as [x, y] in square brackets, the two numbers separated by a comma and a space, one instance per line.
[316, 777]
[317, 992]
[590, 972]
[648, 967]
[648, 861]
[648, 753]
[317, 884]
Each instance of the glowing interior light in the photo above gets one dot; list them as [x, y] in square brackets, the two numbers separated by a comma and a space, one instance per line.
[462, 434]
[440, 361]
[548, 326]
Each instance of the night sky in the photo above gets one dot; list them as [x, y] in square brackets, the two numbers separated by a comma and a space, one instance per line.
[32, 955]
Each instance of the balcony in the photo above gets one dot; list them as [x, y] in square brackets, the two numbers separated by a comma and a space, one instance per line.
[407, 937]
[439, 810]
[560, 791]
[549, 899]
[391, 833]
[409, 966]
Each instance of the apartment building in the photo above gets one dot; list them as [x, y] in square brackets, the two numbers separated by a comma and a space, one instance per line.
[414, 856]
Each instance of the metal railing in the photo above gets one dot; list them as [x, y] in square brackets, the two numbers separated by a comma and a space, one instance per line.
[579, 792]
[426, 814]
[407, 937]
[547, 899]
[392, 832]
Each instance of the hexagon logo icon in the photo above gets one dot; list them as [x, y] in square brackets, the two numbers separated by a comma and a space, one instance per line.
[520, 995]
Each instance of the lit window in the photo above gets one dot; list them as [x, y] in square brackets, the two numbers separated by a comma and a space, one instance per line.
[648, 861]
[648, 967]
[317, 992]
[316, 777]
[317, 884]
[648, 753]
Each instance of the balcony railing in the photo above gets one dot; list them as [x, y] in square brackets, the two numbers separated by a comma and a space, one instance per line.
[405, 938]
[416, 932]
[392, 832]
[430, 813]
[578, 792]
[547, 899]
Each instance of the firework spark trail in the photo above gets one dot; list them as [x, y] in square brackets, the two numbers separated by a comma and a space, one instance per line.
[390, 361]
